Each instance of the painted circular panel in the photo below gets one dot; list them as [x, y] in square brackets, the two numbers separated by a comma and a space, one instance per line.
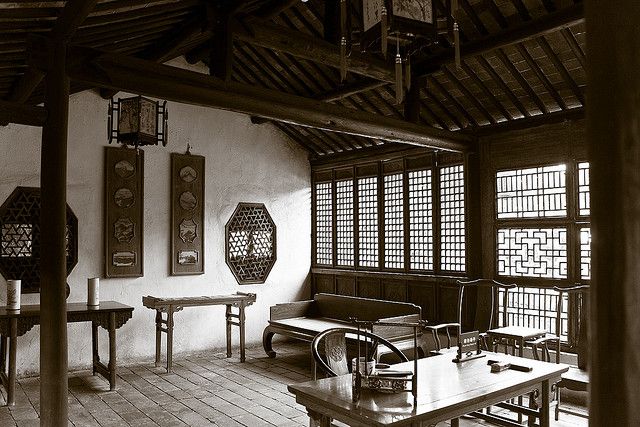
[124, 169]
[188, 201]
[124, 198]
[188, 174]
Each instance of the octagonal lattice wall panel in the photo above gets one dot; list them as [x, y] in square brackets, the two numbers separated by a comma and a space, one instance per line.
[250, 243]
[20, 239]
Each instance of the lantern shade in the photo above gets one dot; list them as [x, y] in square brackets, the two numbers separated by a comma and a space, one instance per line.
[406, 21]
[137, 121]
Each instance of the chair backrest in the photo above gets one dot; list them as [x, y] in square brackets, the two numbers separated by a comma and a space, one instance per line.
[487, 292]
[578, 295]
[334, 343]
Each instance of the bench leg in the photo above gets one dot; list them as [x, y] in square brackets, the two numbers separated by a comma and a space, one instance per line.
[169, 339]
[228, 318]
[267, 336]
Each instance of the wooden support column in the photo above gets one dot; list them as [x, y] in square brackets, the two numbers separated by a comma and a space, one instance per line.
[53, 269]
[473, 200]
[613, 134]
[221, 55]
[331, 21]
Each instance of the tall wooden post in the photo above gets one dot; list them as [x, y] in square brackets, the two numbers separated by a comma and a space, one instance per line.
[53, 270]
[613, 133]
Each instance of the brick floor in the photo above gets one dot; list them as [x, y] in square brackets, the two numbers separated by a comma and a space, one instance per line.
[204, 389]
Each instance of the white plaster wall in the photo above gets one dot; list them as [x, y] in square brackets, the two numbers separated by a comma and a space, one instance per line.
[244, 163]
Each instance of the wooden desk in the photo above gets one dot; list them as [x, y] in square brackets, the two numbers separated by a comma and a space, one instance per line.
[171, 305]
[446, 390]
[13, 323]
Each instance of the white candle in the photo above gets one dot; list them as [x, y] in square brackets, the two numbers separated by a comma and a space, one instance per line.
[13, 294]
[93, 289]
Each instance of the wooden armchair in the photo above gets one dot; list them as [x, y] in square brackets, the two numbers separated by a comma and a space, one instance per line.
[486, 293]
[577, 378]
[329, 349]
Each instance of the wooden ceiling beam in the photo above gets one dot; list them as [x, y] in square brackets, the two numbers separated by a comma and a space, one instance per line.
[529, 122]
[312, 48]
[72, 16]
[14, 112]
[121, 72]
[274, 8]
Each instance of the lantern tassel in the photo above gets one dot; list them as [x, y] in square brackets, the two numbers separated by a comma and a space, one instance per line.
[399, 81]
[383, 31]
[456, 43]
[407, 72]
[343, 59]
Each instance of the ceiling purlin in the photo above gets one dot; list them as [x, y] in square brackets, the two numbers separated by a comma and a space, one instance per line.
[548, 50]
[487, 93]
[484, 64]
[541, 76]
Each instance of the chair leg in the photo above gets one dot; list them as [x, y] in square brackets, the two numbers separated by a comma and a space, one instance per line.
[557, 410]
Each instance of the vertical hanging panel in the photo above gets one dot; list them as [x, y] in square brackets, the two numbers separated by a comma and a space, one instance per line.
[187, 214]
[124, 207]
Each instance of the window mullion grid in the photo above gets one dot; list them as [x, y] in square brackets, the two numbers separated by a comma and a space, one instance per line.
[381, 247]
[573, 232]
[314, 228]
[356, 221]
[405, 217]
[334, 221]
[435, 200]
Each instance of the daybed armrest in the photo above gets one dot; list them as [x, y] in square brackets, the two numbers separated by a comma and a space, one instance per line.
[291, 309]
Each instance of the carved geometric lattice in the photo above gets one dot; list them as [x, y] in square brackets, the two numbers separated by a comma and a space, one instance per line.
[344, 223]
[20, 244]
[584, 199]
[420, 220]
[368, 221]
[532, 193]
[585, 253]
[324, 224]
[532, 252]
[393, 221]
[452, 224]
[250, 243]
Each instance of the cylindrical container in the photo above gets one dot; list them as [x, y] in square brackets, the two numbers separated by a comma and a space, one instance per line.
[13, 294]
[93, 289]
[366, 367]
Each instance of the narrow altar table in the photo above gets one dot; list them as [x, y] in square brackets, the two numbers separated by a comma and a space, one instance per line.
[111, 315]
[171, 305]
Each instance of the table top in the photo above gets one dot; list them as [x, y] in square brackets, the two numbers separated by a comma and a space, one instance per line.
[517, 332]
[154, 302]
[444, 390]
[72, 307]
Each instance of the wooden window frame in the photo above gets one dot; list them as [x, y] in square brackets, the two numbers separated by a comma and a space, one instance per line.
[403, 164]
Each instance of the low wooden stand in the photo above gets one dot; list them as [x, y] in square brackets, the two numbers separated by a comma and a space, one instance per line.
[171, 305]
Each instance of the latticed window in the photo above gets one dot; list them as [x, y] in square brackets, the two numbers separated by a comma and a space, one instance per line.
[368, 221]
[323, 222]
[420, 220]
[384, 216]
[543, 237]
[452, 224]
[393, 221]
[344, 223]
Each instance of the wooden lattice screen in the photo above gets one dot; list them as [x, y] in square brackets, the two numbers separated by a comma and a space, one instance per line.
[250, 243]
[20, 250]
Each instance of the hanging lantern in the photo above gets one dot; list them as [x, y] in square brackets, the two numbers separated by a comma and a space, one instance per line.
[386, 21]
[137, 121]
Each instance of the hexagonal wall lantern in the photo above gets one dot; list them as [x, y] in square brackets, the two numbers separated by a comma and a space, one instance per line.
[20, 240]
[250, 243]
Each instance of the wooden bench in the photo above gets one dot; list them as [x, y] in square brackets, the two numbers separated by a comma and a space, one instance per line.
[303, 320]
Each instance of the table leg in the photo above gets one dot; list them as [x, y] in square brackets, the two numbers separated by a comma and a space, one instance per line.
[317, 419]
[158, 336]
[455, 422]
[228, 322]
[94, 345]
[3, 354]
[242, 332]
[112, 351]
[544, 406]
[13, 344]
[169, 338]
